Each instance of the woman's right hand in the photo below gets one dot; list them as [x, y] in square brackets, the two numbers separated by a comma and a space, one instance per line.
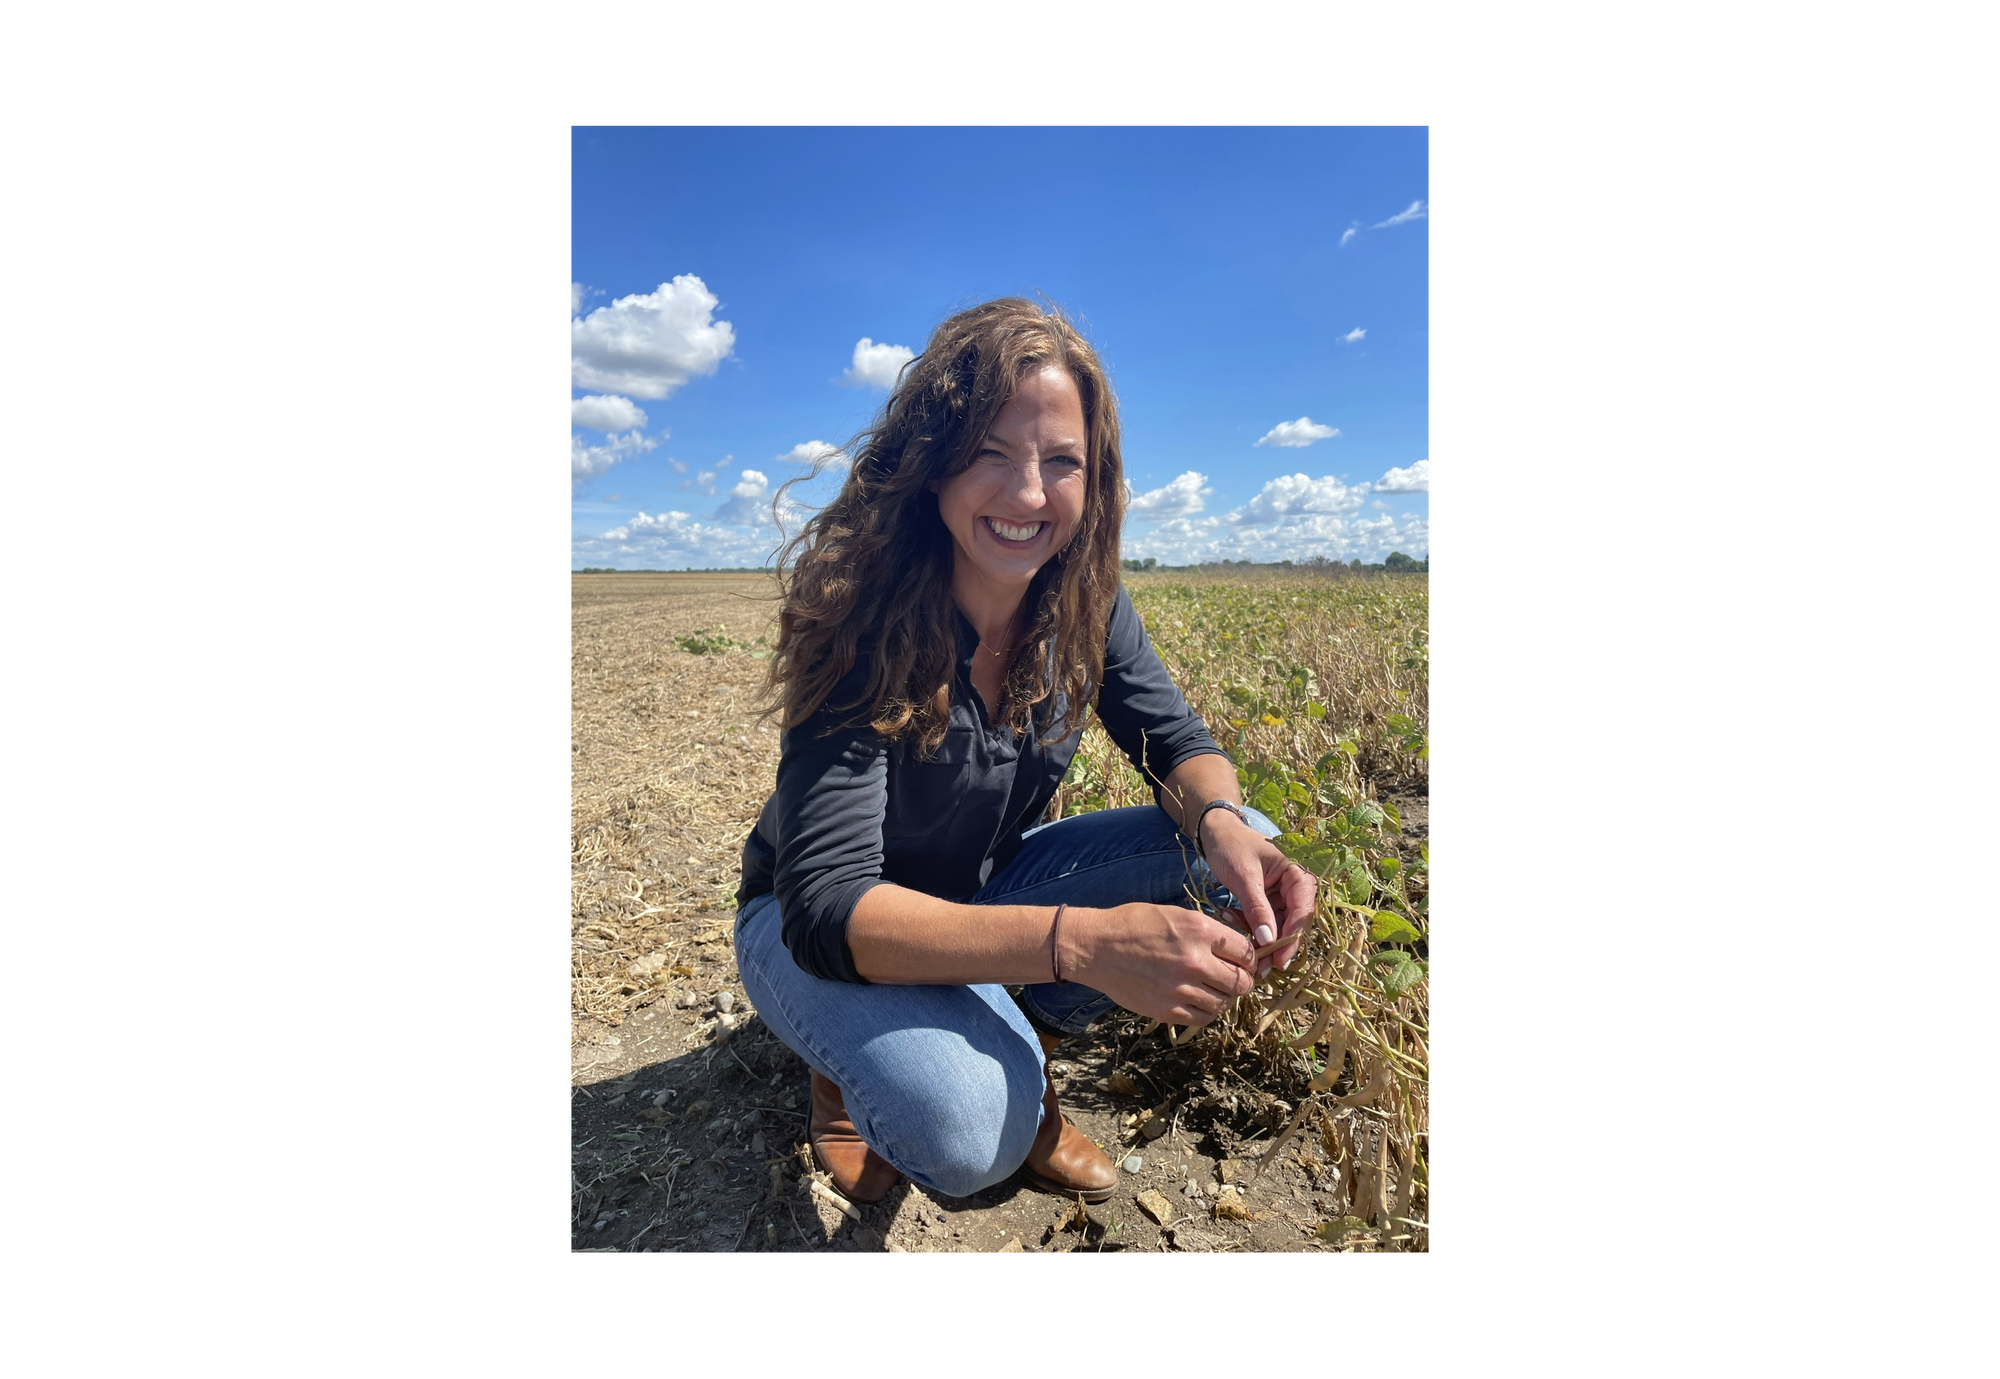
[1174, 965]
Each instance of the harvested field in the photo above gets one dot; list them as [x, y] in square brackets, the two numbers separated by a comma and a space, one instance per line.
[1300, 1122]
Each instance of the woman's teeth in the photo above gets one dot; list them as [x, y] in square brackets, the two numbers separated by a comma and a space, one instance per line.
[1013, 533]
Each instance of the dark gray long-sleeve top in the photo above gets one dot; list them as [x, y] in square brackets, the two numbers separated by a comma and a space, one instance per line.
[853, 811]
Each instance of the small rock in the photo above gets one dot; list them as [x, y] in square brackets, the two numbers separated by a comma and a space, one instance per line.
[757, 1145]
[1155, 1127]
[660, 1097]
[1012, 1247]
[1232, 1170]
[687, 1000]
[1188, 1238]
[646, 968]
[1192, 1189]
[1229, 1206]
[1133, 1163]
[725, 1001]
[1155, 1206]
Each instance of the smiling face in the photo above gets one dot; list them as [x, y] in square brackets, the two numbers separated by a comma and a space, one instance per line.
[1023, 496]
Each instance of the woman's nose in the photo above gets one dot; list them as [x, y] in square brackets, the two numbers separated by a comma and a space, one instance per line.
[1028, 484]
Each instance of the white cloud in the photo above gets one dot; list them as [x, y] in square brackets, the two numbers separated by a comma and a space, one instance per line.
[680, 466]
[702, 482]
[1338, 536]
[1415, 479]
[672, 522]
[1353, 335]
[1416, 210]
[749, 502]
[1346, 235]
[816, 453]
[612, 413]
[1184, 497]
[588, 461]
[675, 540]
[650, 344]
[575, 298]
[1298, 433]
[875, 366]
[1291, 494]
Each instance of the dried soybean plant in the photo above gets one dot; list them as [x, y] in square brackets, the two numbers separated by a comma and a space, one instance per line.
[1319, 690]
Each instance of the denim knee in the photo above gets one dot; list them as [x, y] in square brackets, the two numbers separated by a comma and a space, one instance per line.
[960, 1134]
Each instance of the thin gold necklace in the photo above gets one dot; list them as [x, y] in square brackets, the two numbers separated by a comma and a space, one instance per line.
[982, 640]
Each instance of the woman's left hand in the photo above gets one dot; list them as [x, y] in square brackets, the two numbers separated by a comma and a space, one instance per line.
[1276, 893]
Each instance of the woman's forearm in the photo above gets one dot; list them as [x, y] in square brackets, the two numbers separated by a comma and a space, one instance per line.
[1193, 784]
[906, 938]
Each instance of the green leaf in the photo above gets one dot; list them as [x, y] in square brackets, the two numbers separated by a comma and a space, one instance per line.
[1364, 814]
[1390, 927]
[1268, 798]
[1389, 866]
[1360, 885]
[1395, 819]
[1315, 711]
[1403, 975]
[1315, 856]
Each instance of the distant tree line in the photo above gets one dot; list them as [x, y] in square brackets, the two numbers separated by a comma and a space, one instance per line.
[1396, 563]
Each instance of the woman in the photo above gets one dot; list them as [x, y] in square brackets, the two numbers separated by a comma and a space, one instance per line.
[943, 622]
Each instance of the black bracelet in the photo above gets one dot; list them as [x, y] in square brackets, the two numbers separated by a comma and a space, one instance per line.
[1235, 809]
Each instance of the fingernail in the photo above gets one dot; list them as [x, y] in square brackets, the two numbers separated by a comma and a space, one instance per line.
[1264, 934]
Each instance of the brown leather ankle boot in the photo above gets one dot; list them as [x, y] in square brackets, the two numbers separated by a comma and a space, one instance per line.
[1063, 1160]
[857, 1171]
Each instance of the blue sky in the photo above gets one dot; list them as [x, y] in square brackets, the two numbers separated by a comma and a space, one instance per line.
[1259, 296]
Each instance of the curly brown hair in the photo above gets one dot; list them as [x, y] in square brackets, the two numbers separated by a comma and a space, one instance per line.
[872, 569]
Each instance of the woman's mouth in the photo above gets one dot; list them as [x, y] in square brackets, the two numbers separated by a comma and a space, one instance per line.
[1011, 535]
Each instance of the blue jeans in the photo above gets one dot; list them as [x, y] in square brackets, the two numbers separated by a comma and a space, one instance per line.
[946, 1082]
